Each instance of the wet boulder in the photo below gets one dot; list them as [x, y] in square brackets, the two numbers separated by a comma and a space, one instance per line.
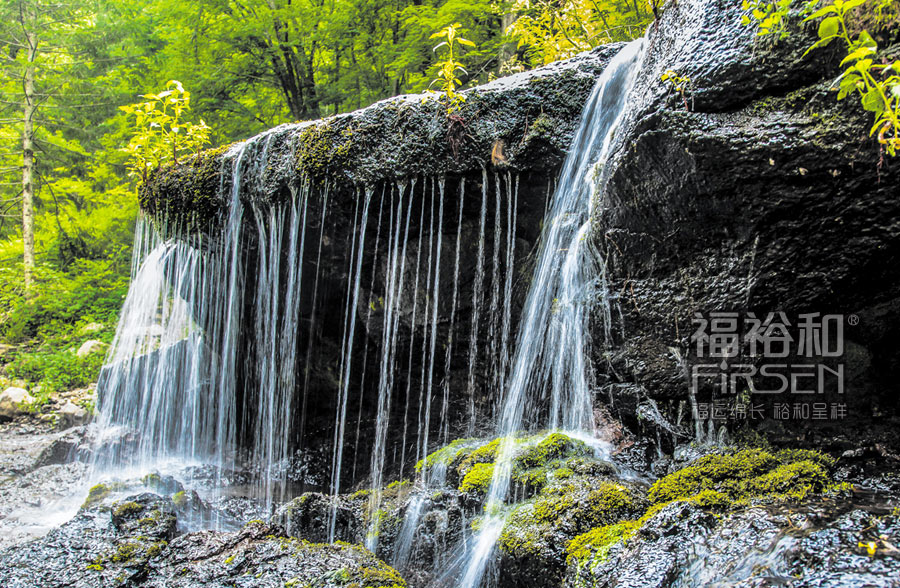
[72, 415]
[685, 544]
[260, 555]
[98, 547]
[756, 191]
[134, 542]
[13, 403]
[310, 517]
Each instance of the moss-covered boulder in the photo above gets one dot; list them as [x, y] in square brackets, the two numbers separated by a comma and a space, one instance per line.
[533, 542]
[558, 489]
[468, 464]
[750, 474]
[310, 516]
[727, 480]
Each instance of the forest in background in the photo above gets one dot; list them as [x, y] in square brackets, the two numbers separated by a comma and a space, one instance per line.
[67, 67]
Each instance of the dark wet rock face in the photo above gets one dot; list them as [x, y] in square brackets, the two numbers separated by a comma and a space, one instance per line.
[766, 195]
[134, 543]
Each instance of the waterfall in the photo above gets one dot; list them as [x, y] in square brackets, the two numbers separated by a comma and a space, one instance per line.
[346, 358]
[412, 347]
[396, 272]
[448, 356]
[169, 392]
[206, 364]
[552, 343]
[476, 304]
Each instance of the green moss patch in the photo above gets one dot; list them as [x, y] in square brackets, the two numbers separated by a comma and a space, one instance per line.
[554, 446]
[718, 482]
[126, 509]
[746, 475]
[596, 543]
[478, 479]
[542, 527]
[190, 188]
[322, 149]
[96, 495]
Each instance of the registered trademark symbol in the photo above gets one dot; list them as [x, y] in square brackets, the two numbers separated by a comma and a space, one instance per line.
[853, 320]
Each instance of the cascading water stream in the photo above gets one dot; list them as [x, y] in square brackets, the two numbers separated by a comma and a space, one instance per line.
[347, 355]
[476, 305]
[170, 388]
[552, 343]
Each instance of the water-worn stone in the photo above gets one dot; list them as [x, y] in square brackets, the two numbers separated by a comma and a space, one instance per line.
[91, 328]
[134, 543]
[13, 402]
[72, 415]
[309, 517]
[74, 444]
[91, 346]
[810, 546]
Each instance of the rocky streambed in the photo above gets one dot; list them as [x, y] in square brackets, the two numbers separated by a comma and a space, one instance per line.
[577, 516]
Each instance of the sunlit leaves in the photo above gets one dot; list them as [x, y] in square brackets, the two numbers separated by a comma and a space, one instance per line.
[874, 80]
[679, 83]
[770, 16]
[552, 30]
[161, 134]
[448, 69]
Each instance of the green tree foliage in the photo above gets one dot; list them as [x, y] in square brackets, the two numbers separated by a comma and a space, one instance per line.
[550, 29]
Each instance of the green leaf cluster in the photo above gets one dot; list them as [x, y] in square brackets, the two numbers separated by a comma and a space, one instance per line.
[161, 133]
[450, 67]
[549, 30]
[875, 79]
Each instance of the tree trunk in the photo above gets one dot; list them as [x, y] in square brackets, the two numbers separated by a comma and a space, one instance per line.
[507, 50]
[28, 165]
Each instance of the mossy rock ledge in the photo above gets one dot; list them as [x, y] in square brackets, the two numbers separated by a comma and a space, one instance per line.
[523, 122]
[575, 520]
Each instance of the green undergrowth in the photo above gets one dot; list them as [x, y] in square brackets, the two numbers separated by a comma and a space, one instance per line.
[81, 273]
[45, 332]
